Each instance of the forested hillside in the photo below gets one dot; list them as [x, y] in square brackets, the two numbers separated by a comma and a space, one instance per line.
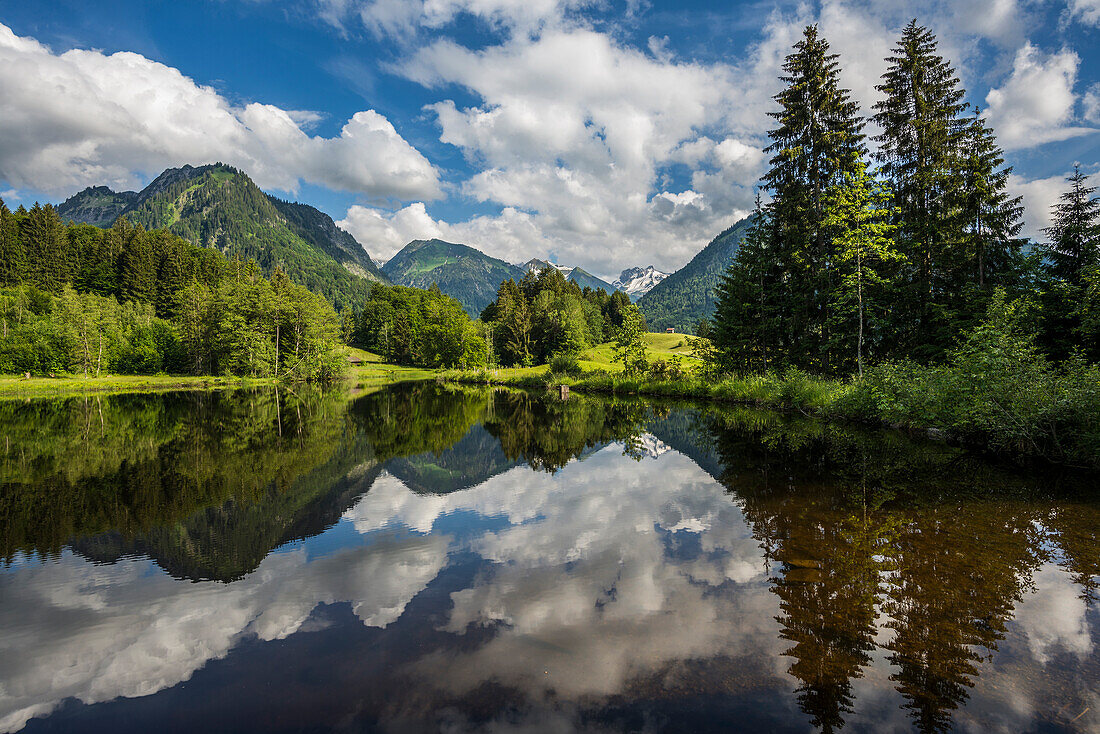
[467, 275]
[93, 301]
[686, 296]
[220, 207]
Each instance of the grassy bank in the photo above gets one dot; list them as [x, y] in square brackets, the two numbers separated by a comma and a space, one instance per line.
[15, 386]
[367, 371]
[1013, 413]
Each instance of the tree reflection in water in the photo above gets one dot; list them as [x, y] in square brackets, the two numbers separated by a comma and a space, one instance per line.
[894, 564]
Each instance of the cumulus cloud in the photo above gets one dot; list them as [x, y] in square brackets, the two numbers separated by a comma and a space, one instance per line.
[1091, 105]
[570, 139]
[1085, 11]
[576, 135]
[1036, 103]
[84, 117]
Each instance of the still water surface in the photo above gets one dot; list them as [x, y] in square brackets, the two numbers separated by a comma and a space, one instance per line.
[423, 559]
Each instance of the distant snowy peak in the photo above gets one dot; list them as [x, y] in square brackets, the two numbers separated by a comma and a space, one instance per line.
[537, 265]
[636, 282]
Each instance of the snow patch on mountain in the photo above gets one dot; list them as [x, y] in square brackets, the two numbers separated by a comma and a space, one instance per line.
[537, 265]
[636, 282]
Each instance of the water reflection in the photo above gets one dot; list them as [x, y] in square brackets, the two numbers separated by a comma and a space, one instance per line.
[424, 558]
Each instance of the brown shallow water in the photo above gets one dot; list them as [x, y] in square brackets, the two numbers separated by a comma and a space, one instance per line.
[422, 559]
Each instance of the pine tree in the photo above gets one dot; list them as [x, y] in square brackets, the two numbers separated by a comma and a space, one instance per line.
[923, 128]
[774, 301]
[1074, 233]
[1071, 272]
[13, 258]
[46, 245]
[137, 274]
[990, 215]
[748, 301]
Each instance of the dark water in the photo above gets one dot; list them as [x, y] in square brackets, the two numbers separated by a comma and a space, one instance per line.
[421, 559]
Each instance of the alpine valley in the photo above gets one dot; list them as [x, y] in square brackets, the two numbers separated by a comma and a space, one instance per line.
[219, 206]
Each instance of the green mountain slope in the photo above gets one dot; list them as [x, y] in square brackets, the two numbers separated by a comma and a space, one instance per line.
[687, 295]
[469, 276]
[584, 279]
[218, 206]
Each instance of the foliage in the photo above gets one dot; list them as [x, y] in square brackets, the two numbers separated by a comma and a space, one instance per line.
[142, 302]
[630, 349]
[857, 211]
[417, 327]
[565, 364]
[545, 315]
[82, 333]
[996, 390]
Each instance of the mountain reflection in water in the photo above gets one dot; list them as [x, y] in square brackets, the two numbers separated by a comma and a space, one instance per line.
[424, 558]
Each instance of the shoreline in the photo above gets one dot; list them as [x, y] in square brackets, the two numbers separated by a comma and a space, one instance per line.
[795, 392]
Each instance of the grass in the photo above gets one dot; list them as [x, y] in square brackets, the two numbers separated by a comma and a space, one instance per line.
[369, 370]
[660, 346]
[16, 386]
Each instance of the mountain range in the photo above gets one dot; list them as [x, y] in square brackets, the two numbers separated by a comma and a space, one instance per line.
[218, 206]
[683, 298]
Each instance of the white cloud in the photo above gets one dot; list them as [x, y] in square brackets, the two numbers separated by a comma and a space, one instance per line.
[1039, 196]
[83, 117]
[1054, 616]
[1035, 104]
[571, 137]
[406, 18]
[1086, 11]
[1090, 105]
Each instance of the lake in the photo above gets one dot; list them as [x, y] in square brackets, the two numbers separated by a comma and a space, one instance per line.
[424, 558]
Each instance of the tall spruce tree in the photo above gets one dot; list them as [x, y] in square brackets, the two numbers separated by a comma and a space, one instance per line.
[991, 217]
[46, 244]
[790, 261]
[747, 303]
[13, 258]
[818, 141]
[1073, 246]
[1071, 272]
[923, 127]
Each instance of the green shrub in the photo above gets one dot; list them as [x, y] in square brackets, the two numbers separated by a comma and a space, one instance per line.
[565, 364]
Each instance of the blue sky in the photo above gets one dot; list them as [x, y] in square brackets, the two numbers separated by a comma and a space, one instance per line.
[603, 134]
